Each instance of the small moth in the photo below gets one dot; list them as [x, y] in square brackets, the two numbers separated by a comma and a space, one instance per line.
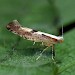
[35, 36]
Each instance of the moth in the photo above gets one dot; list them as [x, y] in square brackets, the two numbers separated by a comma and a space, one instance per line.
[35, 36]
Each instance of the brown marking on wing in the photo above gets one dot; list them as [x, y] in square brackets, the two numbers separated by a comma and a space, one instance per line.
[46, 36]
[12, 27]
[28, 33]
[23, 32]
[55, 40]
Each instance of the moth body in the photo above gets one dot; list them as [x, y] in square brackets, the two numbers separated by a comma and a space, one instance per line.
[33, 35]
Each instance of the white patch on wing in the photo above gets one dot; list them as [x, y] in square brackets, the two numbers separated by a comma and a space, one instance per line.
[26, 29]
[50, 35]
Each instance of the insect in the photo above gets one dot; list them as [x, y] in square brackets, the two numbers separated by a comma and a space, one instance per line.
[35, 36]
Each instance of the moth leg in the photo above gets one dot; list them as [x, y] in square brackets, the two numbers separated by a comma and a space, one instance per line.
[53, 53]
[33, 43]
[42, 52]
[42, 43]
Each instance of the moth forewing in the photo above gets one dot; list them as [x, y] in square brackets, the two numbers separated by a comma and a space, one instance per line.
[34, 35]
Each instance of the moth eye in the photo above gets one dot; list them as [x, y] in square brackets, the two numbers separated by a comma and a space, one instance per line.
[61, 40]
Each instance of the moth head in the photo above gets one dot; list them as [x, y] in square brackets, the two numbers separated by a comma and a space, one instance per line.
[13, 26]
[61, 39]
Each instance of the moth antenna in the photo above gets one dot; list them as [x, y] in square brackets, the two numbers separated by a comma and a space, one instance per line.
[62, 30]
